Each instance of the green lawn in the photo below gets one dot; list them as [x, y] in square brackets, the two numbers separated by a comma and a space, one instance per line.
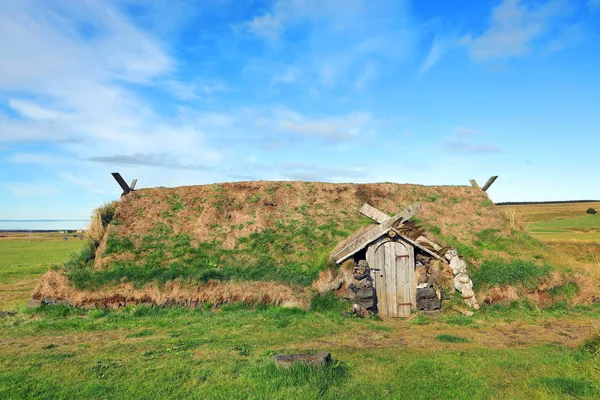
[23, 262]
[584, 228]
[179, 353]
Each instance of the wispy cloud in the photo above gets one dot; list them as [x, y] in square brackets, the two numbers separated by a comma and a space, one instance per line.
[342, 40]
[462, 146]
[571, 35]
[513, 28]
[344, 128]
[437, 50]
[148, 160]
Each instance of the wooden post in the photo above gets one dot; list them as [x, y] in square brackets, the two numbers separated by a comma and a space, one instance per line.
[489, 183]
[474, 184]
[126, 188]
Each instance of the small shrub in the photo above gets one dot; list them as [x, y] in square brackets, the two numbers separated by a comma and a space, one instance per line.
[451, 339]
[591, 211]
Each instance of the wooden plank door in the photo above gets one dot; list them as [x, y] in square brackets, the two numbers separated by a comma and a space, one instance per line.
[393, 273]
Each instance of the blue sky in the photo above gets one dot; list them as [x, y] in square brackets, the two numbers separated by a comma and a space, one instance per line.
[194, 92]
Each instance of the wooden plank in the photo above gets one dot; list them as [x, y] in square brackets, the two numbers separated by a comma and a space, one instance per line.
[431, 253]
[423, 239]
[391, 278]
[133, 183]
[489, 183]
[474, 184]
[373, 213]
[121, 182]
[383, 303]
[374, 233]
[404, 279]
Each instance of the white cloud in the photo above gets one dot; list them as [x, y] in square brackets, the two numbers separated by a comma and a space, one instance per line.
[437, 50]
[513, 29]
[341, 128]
[572, 35]
[341, 40]
[73, 88]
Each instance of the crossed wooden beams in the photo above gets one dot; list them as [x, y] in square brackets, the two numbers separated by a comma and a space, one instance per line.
[487, 184]
[126, 188]
[386, 223]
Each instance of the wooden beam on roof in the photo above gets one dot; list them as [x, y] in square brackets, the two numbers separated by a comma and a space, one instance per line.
[489, 183]
[474, 184]
[132, 185]
[373, 213]
[121, 182]
[374, 233]
[426, 250]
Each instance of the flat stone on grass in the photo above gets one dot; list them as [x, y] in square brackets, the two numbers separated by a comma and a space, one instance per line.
[313, 360]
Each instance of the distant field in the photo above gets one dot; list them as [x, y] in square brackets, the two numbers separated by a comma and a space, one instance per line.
[559, 222]
[22, 262]
[550, 212]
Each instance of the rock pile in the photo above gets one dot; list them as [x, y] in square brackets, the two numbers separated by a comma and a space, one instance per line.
[462, 282]
[429, 297]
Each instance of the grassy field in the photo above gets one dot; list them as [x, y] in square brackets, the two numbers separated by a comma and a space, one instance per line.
[23, 262]
[559, 222]
[227, 354]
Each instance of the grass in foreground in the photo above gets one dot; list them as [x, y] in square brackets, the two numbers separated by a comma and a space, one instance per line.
[180, 353]
[23, 262]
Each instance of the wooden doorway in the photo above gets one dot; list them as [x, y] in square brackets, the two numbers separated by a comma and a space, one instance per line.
[393, 270]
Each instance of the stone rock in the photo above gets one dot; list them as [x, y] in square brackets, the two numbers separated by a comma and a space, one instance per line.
[34, 303]
[365, 293]
[367, 303]
[48, 300]
[313, 360]
[362, 270]
[365, 283]
[429, 304]
[426, 293]
[66, 303]
[361, 311]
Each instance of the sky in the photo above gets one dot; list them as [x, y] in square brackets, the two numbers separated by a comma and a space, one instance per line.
[190, 92]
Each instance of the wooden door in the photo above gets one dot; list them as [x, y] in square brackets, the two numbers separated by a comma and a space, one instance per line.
[392, 269]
